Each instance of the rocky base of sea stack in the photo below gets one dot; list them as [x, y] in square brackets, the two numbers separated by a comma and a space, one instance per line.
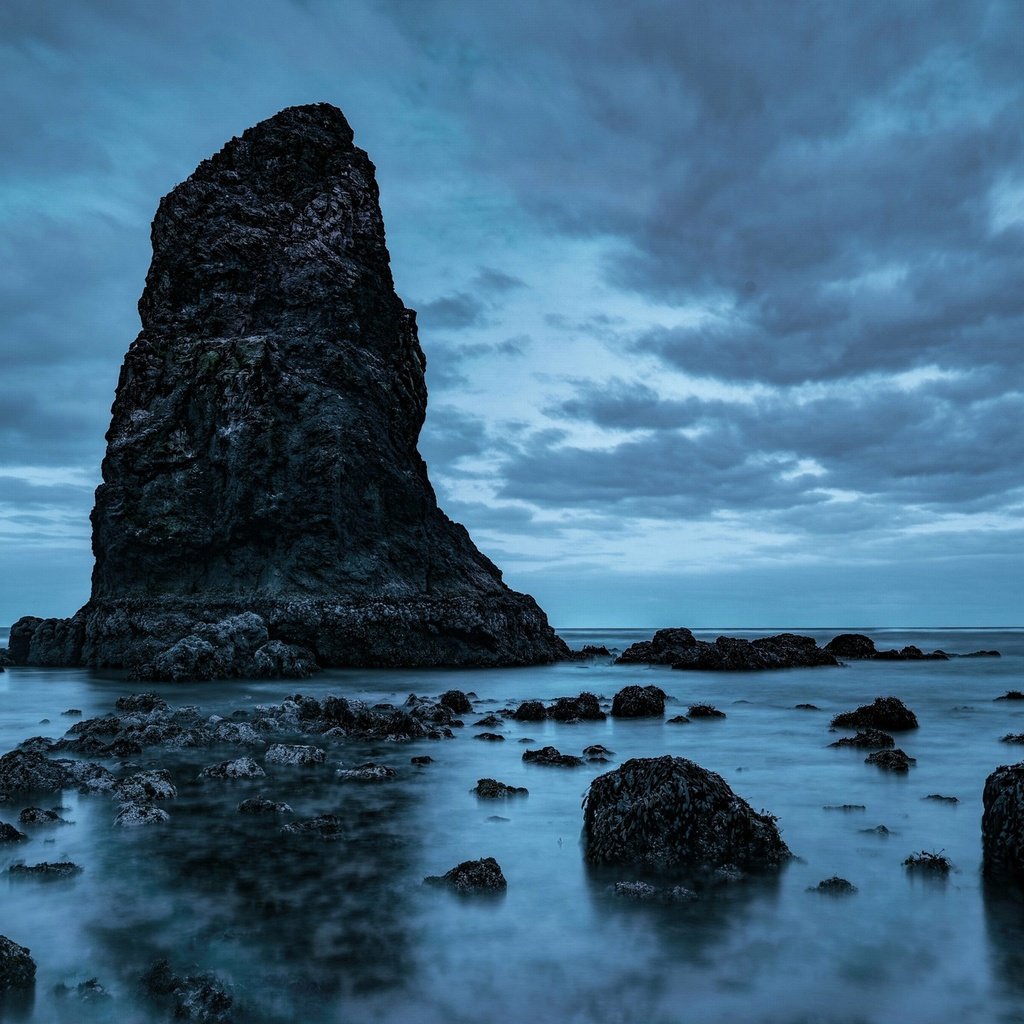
[196, 640]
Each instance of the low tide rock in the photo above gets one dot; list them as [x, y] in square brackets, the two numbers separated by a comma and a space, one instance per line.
[9, 834]
[668, 813]
[678, 720]
[260, 805]
[867, 739]
[368, 772]
[834, 886]
[886, 713]
[639, 702]
[552, 757]
[17, 968]
[705, 711]
[456, 701]
[242, 768]
[137, 815]
[490, 722]
[46, 871]
[421, 759]
[324, 826]
[295, 754]
[584, 708]
[472, 877]
[895, 760]
[491, 737]
[491, 789]
[144, 787]
[1002, 823]
[531, 711]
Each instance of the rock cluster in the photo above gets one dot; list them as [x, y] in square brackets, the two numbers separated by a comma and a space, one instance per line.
[682, 650]
[668, 813]
[264, 507]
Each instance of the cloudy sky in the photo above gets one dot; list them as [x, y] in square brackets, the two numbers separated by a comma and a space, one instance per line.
[722, 302]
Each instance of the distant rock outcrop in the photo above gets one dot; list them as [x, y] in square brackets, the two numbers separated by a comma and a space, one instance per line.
[682, 650]
[263, 500]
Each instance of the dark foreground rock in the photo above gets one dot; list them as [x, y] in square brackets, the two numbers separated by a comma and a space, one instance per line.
[668, 813]
[888, 714]
[639, 702]
[472, 877]
[1002, 824]
[261, 458]
[682, 650]
[201, 998]
[17, 968]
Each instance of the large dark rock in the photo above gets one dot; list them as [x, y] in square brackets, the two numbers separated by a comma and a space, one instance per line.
[1002, 823]
[851, 646]
[889, 714]
[639, 702]
[261, 460]
[17, 968]
[668, 813]
[680, 649]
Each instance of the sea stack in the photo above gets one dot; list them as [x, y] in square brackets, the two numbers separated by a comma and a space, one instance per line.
[261, 460]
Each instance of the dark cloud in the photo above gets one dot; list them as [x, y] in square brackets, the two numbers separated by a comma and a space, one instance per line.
[452, 312]
[490, 280]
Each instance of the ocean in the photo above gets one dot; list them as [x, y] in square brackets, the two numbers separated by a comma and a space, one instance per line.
[346, 931]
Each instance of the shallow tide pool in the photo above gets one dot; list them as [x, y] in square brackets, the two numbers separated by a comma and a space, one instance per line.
[345, 931]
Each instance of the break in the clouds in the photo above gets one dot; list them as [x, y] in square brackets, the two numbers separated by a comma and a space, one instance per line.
[722, 303]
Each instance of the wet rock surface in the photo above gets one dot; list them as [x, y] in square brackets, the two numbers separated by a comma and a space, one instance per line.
[368, 772]
[295, 754]
[274, 352]
[669, 813]
[888, 714]
[472, 877]
[1002, 823]
[9, 834]
[17, 968]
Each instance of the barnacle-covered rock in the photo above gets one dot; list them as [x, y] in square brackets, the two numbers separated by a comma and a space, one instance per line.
[670, 814]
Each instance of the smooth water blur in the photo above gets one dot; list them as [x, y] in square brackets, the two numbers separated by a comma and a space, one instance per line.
[312, 931]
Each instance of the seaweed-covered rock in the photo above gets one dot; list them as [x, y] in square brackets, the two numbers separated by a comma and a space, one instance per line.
[668, 813]
[550, 756]
[932, 863]
[639, 702]
[704, 711]
[17, 968]
[138, 815]
[144, 787]
[47, 871]
[324, 826]
[457, 701]
[889, 714]
[531, 711]
[295, 754]
[866, 739]
[597, 751]
[260, 805]
[834, 886]
[851, 646]
[472, 877]
[242, 768]
[584, 708]
[1002, 823]
[895, 760]
[491, 789]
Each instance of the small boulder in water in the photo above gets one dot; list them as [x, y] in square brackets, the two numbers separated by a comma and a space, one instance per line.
[368, 772]
[584, 708]
[491, 789]
[490, 737]
[887, 713]
[1012, 695]
[39, 816]
[47, 871]
[137, 815]
[867, 739]
[472, 877]
[531, 711]
[851, 646]
[644, 892]
[9, 834]
[933, 863]
[834, 886]
[552, 757]
[324, 826]
[260, 805]
[197, 997]
[705, 711]
[457, 701]
[144, 702]
[895, 760]
[145, 787]
[639, 702]
[17, 968]
[242, 768]
[295, 754]
[669, 813]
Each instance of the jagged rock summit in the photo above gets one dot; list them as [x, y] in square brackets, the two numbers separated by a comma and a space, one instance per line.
[262, 490]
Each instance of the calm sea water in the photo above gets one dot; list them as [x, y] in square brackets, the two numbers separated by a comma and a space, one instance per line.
[346, 931]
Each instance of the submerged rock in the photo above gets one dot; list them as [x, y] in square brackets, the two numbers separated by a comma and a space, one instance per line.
[834, 886]
[39, 816]
[17, 968]
[866, 739]
[933, 863]
[47, 871]
[324, 826]
[1002, 823]
[275, 353]
[668, 813]
[491, 789]
[644, 892]
[550, 756]
[639, 702]
[260, 805]
[1011, 695]
[886, 713]
[491, 737]
[895, 760]
[472, 877]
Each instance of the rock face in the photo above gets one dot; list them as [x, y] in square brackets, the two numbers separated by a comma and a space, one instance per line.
[669, 814]
[1002, 823]
[680, 649]
[261, 460]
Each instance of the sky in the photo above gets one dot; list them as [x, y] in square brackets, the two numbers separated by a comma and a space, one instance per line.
[722, 302]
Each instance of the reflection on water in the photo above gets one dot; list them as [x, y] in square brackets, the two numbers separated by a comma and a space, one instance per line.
[302, 929]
